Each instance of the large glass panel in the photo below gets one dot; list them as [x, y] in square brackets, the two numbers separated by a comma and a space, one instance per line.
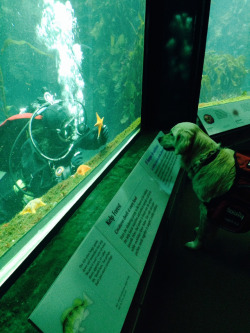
[225, 86]
[70, 96]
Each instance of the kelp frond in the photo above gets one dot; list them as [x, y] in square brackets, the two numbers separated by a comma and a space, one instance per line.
[10, 41]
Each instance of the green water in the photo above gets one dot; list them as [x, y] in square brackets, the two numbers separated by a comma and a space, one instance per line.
[93, 63]
[226, 71]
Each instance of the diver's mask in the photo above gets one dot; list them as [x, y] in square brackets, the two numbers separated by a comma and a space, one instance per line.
[74, 127]
[57, 116]
[69, 126]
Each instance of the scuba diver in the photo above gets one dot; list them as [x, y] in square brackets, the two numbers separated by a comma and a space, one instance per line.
[47, 146]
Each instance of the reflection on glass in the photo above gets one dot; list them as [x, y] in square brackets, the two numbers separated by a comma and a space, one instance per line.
[70, 93]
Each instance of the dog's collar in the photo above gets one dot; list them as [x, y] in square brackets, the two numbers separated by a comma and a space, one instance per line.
[210, 157]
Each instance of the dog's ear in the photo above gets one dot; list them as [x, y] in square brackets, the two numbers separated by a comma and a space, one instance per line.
[183, 141]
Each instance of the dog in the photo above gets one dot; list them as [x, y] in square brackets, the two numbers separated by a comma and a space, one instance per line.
[212, 170]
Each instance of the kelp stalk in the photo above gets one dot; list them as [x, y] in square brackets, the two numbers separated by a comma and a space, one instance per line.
[2, 94]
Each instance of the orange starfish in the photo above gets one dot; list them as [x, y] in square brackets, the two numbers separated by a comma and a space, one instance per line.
[82, 169]
[99, 123]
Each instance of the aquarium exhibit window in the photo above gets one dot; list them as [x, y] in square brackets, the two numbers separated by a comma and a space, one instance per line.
[70, 101]
[225, 87]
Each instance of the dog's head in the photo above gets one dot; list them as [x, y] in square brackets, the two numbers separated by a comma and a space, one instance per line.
[180, 138]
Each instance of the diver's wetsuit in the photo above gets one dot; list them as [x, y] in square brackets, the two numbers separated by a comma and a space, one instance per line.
[39, 174]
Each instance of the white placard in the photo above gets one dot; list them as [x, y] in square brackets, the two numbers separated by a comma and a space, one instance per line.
[87, 294]
[224, 117]
[94, 290]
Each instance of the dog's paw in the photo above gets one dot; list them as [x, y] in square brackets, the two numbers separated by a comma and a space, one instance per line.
[194, 245]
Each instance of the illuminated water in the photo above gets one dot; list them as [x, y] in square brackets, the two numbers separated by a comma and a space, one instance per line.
[85, 58]
[226, 71]
[57, 31]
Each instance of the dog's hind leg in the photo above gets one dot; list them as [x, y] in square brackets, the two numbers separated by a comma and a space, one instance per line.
[205, 232]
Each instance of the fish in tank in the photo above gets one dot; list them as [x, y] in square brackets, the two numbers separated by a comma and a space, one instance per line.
[224, 102]
[70, 95]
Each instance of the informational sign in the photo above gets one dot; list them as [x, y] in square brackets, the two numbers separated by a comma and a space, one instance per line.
[224, 117]
[95, 289]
